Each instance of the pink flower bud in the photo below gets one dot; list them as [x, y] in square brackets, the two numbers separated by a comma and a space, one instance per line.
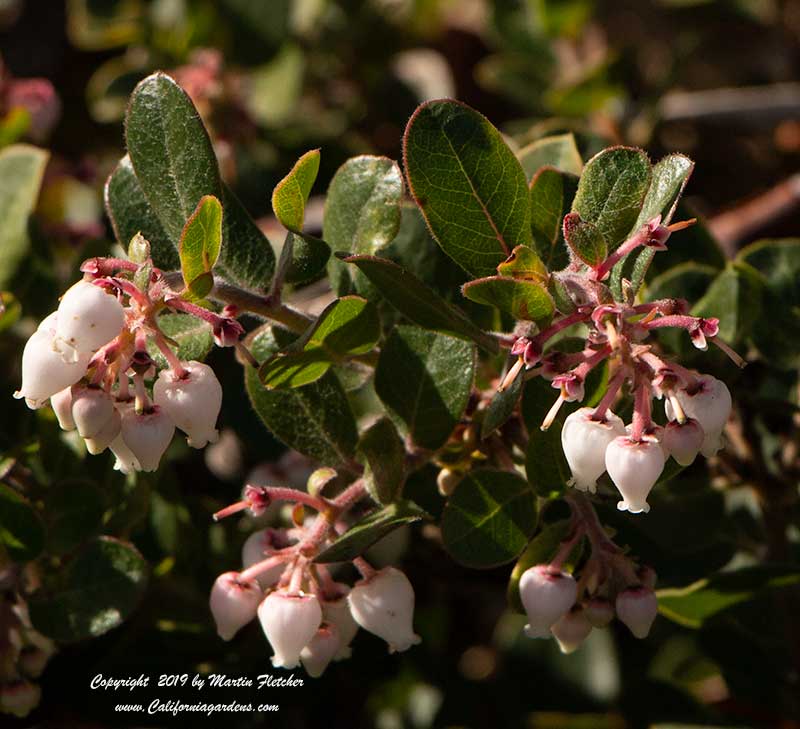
[599, 612]
[337, 612]
[571, 629]
[290, 622]
[88, 318]
[634, 468]
[683, 442]
[637, 607]
[106, 436]
[44, 372]
[320, 651]
[92, 409]
[710, 405]
[19, 698]
[193, 401]
[384, 605]
[234, 602]
[584, 441]
[61, 403]
[147, 435]
[547, 595]
[257, 547]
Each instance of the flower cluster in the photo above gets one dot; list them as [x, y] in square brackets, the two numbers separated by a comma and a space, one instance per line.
[91, 360]
[306, 615]
[595, 440]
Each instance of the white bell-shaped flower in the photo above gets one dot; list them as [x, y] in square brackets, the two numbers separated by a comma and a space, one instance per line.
[547, 594]
[584, 441]
[683, 442]
[290, 622]
[61, 403]
[337, 612]
[126, 462]
[234, 603]
[106, 436]
[709, 405]
[92, 409]
[599, 612]
[571, 629]
[322, 649]
[193, 401]
[637, 607]
[634, 468]
[147, 435]
[258, 547]
[88, 318]
[44, 373]
[383, 604]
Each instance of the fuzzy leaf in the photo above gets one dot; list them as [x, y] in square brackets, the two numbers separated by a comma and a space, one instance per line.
[585, 240]
[384, 453]
[94, 593]
[551, 195]
[489, 518]
[290, 195]
[522, 299]
[502, 407]
[200, 245]
[612, 190]
[21, 170]
[366, 532]
[315, 420]
[559, 151]
[193, 337]
[418, 302]
[523, 263]
[468, 184]
[425, 379]
[309, 255]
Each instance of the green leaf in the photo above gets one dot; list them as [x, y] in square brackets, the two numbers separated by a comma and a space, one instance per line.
[489, 519]
[193, 337]
[21, 170]
[200, 244]
[585, 240]
[130, 213]
[734, 297]
[612, 190]
[21, 530]
[778, 261]
[290, 195]
[384, 453]
[551, 195]
[541, 550]
[174, 162]
[524, 263]
[367, 531]
[425, 379]
[74, 512]
[347, 327]
[362, 208]
[309, 255]
[315, 420]
[96, 592]
[418, 302]
[502, 407]
[468, 184]
[528, 300]
[691, 606]
[545, 463]
[558, 151]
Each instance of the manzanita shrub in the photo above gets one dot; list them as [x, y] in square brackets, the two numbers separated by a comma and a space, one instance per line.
[542, 375]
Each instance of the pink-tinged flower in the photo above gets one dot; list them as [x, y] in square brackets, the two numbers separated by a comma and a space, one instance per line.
[234, 602]
[320, 651]
[290, 622]
[634, 468]
[571, 629]
[147, 435]
[709, 403]
[337, 612]
[584, 441]
[683, 441]
[637, 607]
[546, 595]
[61, 403]
[599, 612]
[257, 547]
[92, 409]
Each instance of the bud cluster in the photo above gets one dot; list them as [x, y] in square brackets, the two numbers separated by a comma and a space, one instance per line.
[90, 360]
[308, 617]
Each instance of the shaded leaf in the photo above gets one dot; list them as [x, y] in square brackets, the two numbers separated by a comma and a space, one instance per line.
[74, 511]
[559, 151]
[309, 256]
[369, 530]
[425, 379]
[290, 195]
[384, 453]
[96, 592]
[502, 407]
[418, 302]
[545, 463]
[528, 300]
[21, 530]
[468, 184]
[489, 519]
[551, 196]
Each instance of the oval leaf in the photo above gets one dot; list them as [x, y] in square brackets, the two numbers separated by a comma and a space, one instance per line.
[585, 240]
[290, 195]
[193, 337]
[384, 453]
[200, 245]
[528, 300]
[523, 263]
[559, 151]
[489, 519]
[468, 184]
[551, 195]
